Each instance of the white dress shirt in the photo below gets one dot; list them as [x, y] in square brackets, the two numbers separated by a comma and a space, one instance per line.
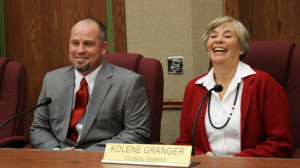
[90, 79]
[225, 141]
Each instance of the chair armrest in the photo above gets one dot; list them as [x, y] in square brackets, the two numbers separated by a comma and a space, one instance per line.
[14, 142]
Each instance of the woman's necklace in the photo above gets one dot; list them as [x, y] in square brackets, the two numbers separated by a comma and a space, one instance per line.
[230, 114]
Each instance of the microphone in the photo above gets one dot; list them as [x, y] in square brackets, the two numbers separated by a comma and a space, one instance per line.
[216, 88]
[44, 102]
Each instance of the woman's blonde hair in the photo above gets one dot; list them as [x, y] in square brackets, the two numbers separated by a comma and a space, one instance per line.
[240, 30]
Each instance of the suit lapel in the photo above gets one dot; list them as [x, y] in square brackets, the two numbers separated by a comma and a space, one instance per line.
[100, 90]
[66, 94]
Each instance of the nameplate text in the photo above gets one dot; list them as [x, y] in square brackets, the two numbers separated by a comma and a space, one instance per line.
[148, 154]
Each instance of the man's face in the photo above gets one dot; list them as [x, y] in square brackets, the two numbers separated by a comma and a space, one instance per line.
[85, 47]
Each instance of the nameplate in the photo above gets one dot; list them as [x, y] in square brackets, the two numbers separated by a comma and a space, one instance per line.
[147, 154]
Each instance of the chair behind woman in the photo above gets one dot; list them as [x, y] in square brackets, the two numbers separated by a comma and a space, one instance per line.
[281, 60]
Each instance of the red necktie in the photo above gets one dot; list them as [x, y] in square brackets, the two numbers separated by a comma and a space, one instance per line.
[81, 101]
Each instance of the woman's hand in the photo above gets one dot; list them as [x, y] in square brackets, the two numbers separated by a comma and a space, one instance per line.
[73, 148]
[209, 154]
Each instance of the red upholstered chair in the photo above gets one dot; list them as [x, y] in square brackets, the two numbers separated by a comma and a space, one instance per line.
[272, 57]
[293, 93]
[282, 61]
[151, 70]
[13, 97]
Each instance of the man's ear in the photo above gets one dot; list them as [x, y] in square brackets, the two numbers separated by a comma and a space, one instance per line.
[105, 48]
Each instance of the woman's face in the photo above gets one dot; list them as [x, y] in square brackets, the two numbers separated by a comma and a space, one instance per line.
[223, 45]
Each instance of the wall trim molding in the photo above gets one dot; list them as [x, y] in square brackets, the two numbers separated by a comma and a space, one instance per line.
[110, 26]
[172, 104]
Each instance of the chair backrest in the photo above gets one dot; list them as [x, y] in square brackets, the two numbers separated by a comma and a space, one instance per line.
[281, 60]
[271, 57]
[13, 96]
[293, 93]
[151, 70]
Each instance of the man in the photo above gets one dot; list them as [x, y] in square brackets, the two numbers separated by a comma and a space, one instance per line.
[109, 102]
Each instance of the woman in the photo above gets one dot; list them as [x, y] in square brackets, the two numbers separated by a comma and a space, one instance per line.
[250, 116]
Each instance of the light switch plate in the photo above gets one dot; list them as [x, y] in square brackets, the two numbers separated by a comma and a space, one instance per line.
[175, 65]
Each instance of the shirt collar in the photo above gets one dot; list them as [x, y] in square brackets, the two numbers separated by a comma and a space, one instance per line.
[90, 78]
[243, 70]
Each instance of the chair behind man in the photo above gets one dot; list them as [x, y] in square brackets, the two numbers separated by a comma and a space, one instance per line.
[281, 60]
[151, 70]
[13, 97]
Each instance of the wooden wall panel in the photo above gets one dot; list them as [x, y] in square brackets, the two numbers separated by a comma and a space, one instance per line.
[37, 33]
[119, 26]
[230, 8]
[271, 20]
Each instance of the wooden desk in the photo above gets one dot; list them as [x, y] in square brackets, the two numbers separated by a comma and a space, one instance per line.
[33, 158]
